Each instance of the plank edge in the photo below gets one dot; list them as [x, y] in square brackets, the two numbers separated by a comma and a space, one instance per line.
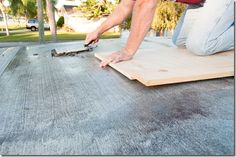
[184, 79]
[116, 68]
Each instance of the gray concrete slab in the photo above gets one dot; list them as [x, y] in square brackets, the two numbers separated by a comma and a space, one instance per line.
[69, 106]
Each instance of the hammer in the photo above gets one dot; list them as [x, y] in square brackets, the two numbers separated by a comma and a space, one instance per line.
[87, 48]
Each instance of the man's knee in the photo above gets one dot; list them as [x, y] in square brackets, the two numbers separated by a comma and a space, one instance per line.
[178, 42]
[200, 47]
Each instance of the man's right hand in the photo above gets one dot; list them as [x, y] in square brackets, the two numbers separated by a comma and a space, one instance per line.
[93, 36]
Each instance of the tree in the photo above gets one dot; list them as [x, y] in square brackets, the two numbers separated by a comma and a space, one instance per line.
[41, 20]
[30, 8]
[93, 9]
[51, 18]
[25, 8]
[3, 10]
[167, 15]
[17, 8]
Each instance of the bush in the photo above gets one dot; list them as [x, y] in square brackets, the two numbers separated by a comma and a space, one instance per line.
[167, 15]
[93, 9]
[126, 24]
[60, 22]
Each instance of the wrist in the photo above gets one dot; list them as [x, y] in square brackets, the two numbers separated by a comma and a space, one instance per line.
[99, 32]
[128, 51]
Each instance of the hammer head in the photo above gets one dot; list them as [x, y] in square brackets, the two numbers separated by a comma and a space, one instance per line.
[88, 48]
[54, 53]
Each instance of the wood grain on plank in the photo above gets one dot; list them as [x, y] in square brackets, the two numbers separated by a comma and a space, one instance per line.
[167, 65]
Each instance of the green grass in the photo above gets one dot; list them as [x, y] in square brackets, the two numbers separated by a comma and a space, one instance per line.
[29, 36]
[13, 27]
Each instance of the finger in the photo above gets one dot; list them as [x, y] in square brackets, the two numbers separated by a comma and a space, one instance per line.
[89, 43]
[116, 60]
[87, 37]
[108, 60]
[105, 62]
[87, 40]
[95, 41]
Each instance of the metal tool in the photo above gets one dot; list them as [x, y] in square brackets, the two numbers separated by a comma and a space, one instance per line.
[87, 48]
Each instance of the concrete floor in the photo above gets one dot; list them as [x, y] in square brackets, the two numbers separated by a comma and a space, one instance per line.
[69, 106]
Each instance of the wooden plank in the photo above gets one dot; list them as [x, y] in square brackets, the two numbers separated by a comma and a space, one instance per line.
[122, 68]
[167, 65]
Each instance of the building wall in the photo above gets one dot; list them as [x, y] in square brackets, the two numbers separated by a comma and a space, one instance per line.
[80, 24]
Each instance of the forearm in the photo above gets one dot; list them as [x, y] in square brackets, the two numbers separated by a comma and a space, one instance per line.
[142, 16]
[122, 11]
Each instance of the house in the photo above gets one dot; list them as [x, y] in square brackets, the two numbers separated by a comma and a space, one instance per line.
[74, 19]
[65, 8]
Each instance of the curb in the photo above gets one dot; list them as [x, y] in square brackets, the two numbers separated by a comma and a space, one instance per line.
[7, 56]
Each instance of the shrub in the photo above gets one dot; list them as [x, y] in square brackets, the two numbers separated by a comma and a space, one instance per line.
[126, 24]
[167, 15]
[93, 9]
[60, 22]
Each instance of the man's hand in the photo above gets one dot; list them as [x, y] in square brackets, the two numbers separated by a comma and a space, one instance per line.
[116, 57]
[122, 11]
[93, 36]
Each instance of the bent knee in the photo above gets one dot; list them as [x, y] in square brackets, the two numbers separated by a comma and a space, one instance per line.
[179, 43]
[201, 48]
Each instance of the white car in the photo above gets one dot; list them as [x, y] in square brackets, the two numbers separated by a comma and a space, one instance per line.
[33, 25]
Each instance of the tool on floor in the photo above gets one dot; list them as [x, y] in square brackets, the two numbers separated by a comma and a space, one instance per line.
[87, 48]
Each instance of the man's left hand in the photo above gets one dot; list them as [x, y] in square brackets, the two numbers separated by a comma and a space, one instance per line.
[115, 58]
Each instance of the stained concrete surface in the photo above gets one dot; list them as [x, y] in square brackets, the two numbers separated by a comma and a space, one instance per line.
[69, 106]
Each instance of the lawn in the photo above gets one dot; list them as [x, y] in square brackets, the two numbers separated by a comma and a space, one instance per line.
[12, 27]
[28, 36]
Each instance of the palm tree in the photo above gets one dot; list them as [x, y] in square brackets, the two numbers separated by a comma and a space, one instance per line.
[3, 9]
[41, 21]
[51, 17]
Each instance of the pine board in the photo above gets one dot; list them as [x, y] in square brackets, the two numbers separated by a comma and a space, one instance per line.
[168, 65]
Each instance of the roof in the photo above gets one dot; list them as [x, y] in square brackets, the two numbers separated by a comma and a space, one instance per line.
[61, 3]
[70, 106]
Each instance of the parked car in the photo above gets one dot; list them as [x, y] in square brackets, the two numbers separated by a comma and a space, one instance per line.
[33, 25]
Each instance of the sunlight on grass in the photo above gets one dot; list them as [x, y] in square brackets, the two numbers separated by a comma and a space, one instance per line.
[13, 27]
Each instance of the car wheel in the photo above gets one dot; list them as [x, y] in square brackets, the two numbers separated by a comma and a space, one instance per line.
[33, 29]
